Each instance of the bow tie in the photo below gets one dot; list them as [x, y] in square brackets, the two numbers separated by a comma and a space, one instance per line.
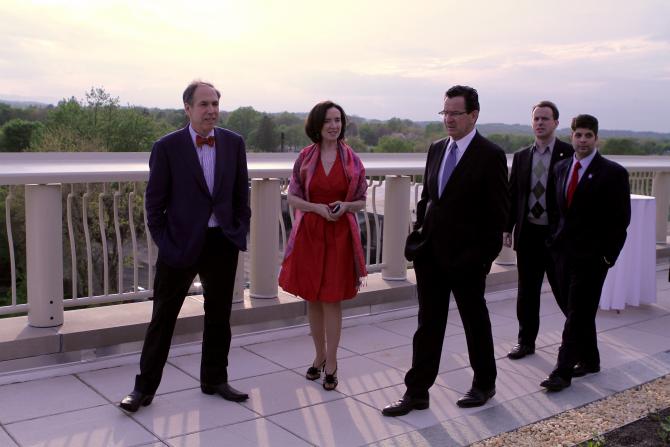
[209, 141]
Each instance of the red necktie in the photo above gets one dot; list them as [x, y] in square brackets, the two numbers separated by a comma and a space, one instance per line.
[573, 182]
[209, 141]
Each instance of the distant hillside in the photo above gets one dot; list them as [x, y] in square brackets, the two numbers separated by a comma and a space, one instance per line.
[23, 104]
[519, 129]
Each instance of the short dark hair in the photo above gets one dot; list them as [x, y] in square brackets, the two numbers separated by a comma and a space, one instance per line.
[190, 90]
[551, 105]
[585, 122]
[468, 93]
[317, 117]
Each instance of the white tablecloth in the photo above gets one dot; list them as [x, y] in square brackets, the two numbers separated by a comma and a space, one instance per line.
[632, 280]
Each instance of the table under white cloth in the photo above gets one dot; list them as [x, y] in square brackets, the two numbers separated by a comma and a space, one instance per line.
[632, 280]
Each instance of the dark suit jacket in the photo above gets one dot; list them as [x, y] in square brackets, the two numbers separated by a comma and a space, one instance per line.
[519, 185]
[465, 224]
[178, 202]
[595, 224]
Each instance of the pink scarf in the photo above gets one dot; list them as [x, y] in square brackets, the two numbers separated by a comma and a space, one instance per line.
[303, 172]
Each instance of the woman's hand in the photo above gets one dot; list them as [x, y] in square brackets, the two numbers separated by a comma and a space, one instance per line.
[323, 210]
[342, 207]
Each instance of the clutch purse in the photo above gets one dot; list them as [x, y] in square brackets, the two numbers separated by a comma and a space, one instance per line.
[413, 244]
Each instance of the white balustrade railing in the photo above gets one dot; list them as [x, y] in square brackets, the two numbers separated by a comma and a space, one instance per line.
[115, 256]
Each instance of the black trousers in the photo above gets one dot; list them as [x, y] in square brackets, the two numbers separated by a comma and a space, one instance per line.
[216, 266]
[533, 260]
[583, 279]
[435, 282]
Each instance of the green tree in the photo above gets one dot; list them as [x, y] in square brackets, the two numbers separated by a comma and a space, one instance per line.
[5, 113]
[266, 136]
[18, 133]
[243, 120]
[390, 143]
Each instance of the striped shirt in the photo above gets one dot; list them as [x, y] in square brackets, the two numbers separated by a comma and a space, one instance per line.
[207, 158]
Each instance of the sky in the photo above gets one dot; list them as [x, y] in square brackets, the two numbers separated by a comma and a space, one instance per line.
[378, 59]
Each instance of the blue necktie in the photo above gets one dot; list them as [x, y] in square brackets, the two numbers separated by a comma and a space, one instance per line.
[449, 165]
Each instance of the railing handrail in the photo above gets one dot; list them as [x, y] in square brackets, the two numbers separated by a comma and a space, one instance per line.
[99, 167]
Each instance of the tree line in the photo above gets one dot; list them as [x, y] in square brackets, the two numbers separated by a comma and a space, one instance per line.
[98, 122]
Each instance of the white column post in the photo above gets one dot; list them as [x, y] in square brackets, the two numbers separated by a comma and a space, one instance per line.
[264, 252]
[44, 255]
[238, 291]
[661, 190]
[396, 224]
[506, 256]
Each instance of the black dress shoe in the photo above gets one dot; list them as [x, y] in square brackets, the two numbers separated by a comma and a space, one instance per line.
[405, 405]
[475, 397]
[555, 383]
[135, 400]
[581, 370]
[520, 351]
[226, 391]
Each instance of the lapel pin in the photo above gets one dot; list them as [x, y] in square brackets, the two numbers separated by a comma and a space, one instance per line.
[590, 176]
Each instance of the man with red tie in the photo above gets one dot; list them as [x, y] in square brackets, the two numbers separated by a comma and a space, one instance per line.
[593, 197]
[198, 215]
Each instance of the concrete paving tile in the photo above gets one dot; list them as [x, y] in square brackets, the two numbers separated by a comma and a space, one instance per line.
[535, 367]
[509, 385]
[407, 327]
[6, 440]
[283, 391]
[626, 376]
[115, 383]
[506, 308]
[366, 338]
[658, 326]
[241, 364]
[637, 340]
[99, 426]
[291, 352]
[611, 355]
[508, 332]
[360, 374]
[258, 432]
[450, 434]
[45, 397]
[344, 422]
[401, 358]
[190, 411]
[442, 405]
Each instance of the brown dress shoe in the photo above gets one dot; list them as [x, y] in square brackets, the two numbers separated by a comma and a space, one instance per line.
[135, 400]
[581, 370]
[554, 383]
[475, 397]
[520, 351]
[405, 405]
[226, 391]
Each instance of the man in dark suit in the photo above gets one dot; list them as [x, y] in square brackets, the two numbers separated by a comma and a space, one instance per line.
[461, 215]
[532, 197]
[198, 215]
[593, 198]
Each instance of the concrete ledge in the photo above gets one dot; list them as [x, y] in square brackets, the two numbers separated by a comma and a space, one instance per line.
[98, 327]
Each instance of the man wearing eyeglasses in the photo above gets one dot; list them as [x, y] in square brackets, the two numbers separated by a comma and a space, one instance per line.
[461, 217]
[533, 203]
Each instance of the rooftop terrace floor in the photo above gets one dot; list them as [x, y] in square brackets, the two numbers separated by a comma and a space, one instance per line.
[75, 404]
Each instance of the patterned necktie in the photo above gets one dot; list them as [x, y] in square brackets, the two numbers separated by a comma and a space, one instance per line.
[572, 186]
[449, 165]
[209, 141]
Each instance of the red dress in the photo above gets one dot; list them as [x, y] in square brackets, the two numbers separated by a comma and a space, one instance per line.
[321, 265]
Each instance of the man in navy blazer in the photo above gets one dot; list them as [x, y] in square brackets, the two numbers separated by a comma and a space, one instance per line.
[533, 202]
[593, 198]
[461, 216]
[198, 215]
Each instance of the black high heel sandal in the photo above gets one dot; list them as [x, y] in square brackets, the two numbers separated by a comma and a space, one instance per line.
[314, 372]
[330, 380]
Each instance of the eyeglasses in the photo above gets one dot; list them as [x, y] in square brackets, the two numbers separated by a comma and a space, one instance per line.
[451, 114]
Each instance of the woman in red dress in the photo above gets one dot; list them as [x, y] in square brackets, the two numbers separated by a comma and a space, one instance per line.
[324, 262]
